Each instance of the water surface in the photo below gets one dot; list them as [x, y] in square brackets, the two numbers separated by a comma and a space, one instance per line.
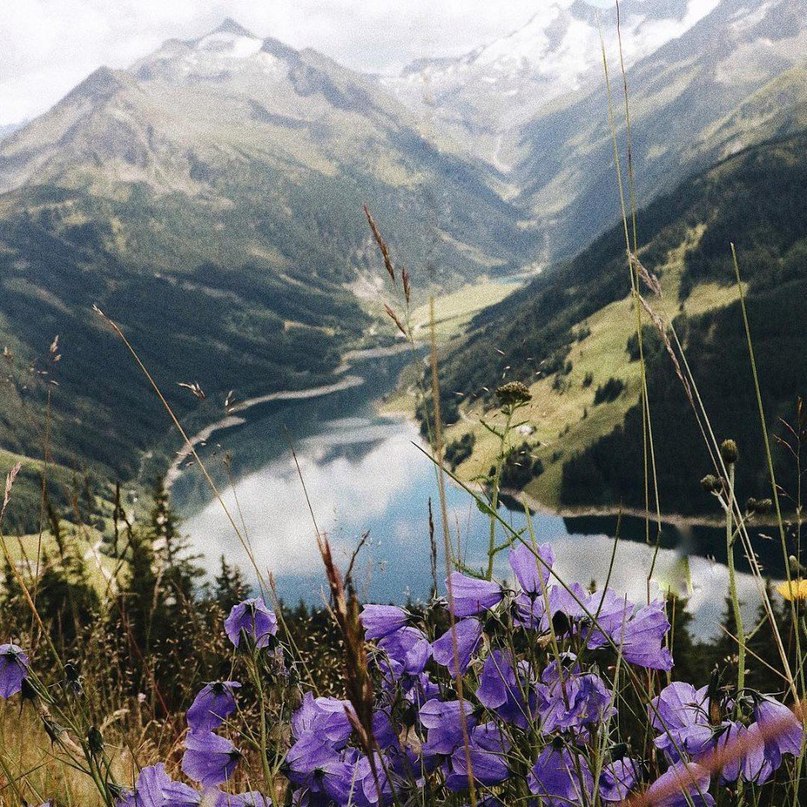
[365, 473]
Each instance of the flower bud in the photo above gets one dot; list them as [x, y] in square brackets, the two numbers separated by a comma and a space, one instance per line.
[513, 393]
[713, 484]
[729, 452]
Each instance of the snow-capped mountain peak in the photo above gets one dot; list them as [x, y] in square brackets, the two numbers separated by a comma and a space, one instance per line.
[559, 50]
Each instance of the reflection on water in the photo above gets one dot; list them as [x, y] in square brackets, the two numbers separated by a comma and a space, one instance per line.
[366, 473]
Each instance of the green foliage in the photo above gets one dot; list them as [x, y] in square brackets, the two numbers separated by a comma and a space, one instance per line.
[520, 467]
[457, 451]
[609, 391]
[609, 471]
[755, 198]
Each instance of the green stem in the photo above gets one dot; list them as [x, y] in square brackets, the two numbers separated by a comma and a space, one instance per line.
[735, 601]
[494, 499]
[256, 676]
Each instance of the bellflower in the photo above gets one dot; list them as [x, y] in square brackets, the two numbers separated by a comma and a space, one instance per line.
[155, 788]
[680, 714]
[756, 766]
[530, 612]
[252, 619]
[148, 791]
[251, 799]
[472, 596]
[573, 702]
[612, 612]
[442, 719]
[469, 637]
[641, 638]
[324, 717]
[381, 620]
[561, 777]
[311, 753]
[487, 748]
[617, 779]
[531, 573]
[500, 691]
[209, 759]
[788, 732]
[692, 782]
[407, 650]
[729, 734]
[13, 669]
[212, 706]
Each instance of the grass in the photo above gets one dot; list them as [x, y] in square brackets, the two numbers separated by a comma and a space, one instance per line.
[566, 422]
[84, 541]
[452, 312]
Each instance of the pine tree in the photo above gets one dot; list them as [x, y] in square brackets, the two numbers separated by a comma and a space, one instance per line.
[230, 586]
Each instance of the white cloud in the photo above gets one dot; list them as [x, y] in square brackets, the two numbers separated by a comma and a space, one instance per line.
[48, 46]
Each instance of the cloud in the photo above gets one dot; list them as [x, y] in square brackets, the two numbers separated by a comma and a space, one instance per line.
[48, 46]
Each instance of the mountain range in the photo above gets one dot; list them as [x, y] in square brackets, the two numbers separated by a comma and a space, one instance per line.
[209, 197]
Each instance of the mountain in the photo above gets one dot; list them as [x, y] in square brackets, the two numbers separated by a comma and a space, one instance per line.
[209, 199]
[571, 336]
[686, 99]
[483, 98]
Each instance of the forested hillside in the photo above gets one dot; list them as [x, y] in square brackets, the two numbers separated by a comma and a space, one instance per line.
[754, 200]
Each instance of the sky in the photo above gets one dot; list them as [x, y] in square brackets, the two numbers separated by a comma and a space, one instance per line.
[49, 46]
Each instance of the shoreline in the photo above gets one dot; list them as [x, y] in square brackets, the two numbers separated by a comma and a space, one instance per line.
[232, 419]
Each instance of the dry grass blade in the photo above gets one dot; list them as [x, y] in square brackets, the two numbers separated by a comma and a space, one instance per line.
[382, 245]
[358, 683]
[10, 477]
[394, 317]
[650, 280]
[717, 759]
[662, 329]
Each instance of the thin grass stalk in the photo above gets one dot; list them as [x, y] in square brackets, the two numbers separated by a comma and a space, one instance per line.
[441, 489]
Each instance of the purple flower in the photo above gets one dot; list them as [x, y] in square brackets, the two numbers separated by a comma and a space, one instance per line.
[13, 669]
[727, 735]
[212, 706]
[638, 635]
[407, 650]
[692, 783]
[617, 779]
[531, 573]
[612, 612]
[177, 794]
[530, 612]
[148, 791]
[573, 702]
[311, 753]
[756, 766]
[642, 636]
[500, 691]
[418, 689]
[469, 635]
[251, 618]
[442, 719]
[251, 799]
[571, 602]
[487, 748]
[679, 713]
[471, 596]
[561, 777]
[209, 759]
[155, 788]
[381, 620]
[787, 730]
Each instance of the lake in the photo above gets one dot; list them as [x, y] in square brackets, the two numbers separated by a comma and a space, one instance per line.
[365, 473]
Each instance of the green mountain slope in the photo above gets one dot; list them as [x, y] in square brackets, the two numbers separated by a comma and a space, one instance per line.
[569, 332]
[718, 88]
[209, 199]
